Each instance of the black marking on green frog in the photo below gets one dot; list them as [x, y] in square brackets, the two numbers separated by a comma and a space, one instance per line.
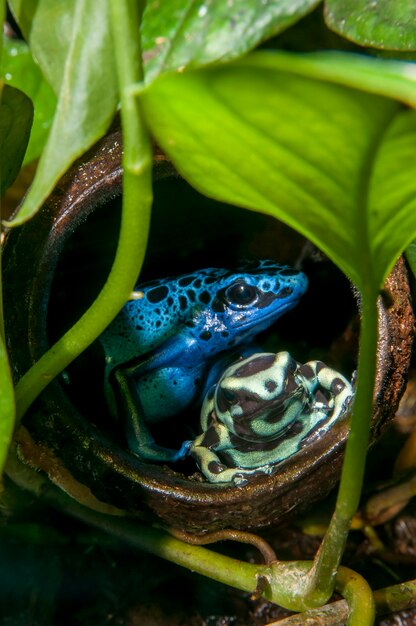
[165, 349]
[262, 411]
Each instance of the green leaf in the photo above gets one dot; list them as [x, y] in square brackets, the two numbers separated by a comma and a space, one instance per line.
[314, 154]
[20, 70]
[182, 34]
[88, 91]
[7, 406]
[49, 27]
[386, 77]
[392, 193]
[386, 24]
[16, 114]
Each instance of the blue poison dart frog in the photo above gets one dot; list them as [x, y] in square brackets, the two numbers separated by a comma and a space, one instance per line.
[263, 410]
[168, 344]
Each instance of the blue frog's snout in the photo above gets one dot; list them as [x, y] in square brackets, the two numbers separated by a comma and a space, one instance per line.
[293, 283]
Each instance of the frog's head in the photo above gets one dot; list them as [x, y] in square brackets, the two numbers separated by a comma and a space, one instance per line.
[259, 398]
[245, 302]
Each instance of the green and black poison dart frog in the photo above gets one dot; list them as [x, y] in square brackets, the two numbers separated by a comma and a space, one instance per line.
[263, 410]
[164, 350]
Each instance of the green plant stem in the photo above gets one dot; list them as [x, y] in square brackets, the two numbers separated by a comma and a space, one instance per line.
[327, 560]
[308, 586]
[137, 199]
[357, 609]
[396, 598]
[356, 450]
[387, 600]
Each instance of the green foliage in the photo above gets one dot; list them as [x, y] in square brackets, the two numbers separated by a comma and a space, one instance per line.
[49, 46]
[16, 114]
[80, 67]
[386, 24]
[87, 93]
[20, 70]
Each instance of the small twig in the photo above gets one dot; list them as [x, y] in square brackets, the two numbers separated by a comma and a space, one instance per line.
[267, 552]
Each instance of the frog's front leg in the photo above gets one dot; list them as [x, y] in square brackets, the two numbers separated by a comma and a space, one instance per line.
[338, 387]
[140, 440]
[156, 388]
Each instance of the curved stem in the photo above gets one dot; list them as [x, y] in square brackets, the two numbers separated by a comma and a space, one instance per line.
[137, 199]
[396, 597]
[358, 608]
[240, 536]
[359, 596]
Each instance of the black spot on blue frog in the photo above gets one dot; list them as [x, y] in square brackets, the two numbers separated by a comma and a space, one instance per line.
[171, 342]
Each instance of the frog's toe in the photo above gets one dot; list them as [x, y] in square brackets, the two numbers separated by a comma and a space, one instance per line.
[184, 450]
[240, 480]
[244, 476]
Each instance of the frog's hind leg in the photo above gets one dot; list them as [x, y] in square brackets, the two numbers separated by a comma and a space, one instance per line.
[139, 438]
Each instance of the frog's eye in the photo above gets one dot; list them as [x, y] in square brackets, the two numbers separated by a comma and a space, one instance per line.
[241, 294]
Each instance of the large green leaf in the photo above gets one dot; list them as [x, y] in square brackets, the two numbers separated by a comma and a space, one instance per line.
[16, 114]
[87, 96]
[19, 70]
[191, 33]
[386, 24]
[312, 153]
[7, 406]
